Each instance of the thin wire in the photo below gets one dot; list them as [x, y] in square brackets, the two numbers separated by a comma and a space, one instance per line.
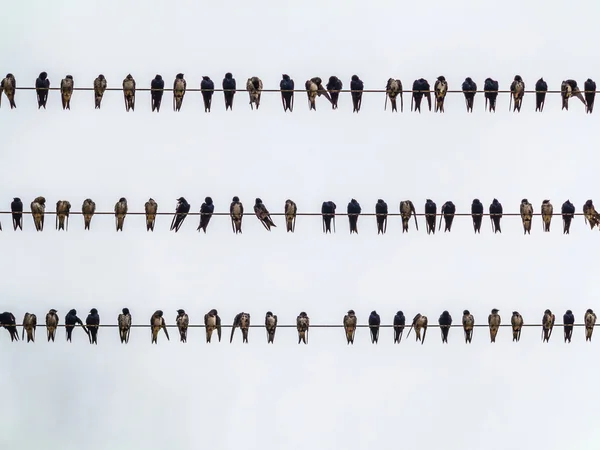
[315, 326]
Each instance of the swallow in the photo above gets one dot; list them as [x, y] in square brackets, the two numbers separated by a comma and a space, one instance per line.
[494, 321]
[469, 88]
[16, 208]
[590, 94]
[207, 86]
[491, 88]
[183, 321]
[157, 321]
[354, 211]
[334, 86]
[393, 88]
[568, 321]
[88, 208]
[568, 89]
[547, 211]
[440, 89]
[63, 208]
[430, 215]
[29, 326]
[547, 325]
[271, 326]
[263, 215]
[228, 90]
[448, 211]
[181, 211]
[350, 326]
[312, 89]
[320, 88]
[567, 211]
[356, 86]
[100, 85]
[9, 86]
[129, 92]
[42, 85]
[254, 86]
[71, 320]
[93, 322]
[590, 215]
[526, 210]
[374, 322]
[590, 322]
[420, 87]
[8, 321]
[236, 211]
[516, 321]
[302, 325]
[399, 324]
[406, 210]
[477, 215]
[381, 209]
[120, 213]
[179, 86]
[38, 206]
[445, 322]
[241, 320]
[66, 91]
[124, 322]
[541, 87]
[286, 85]
[151, 208]
[496, 215]
[328, 214]
[157, 86]
[212, 322]
[517, 92]
[206, 211]
[419, 323]
[290, 215]
[51, 324]
[468, 322]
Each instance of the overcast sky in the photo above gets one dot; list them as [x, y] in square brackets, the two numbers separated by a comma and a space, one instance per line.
[325, 395]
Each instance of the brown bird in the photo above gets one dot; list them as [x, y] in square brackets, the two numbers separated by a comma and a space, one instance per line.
[241, 320]
[517, 92]
[590, 215]
[63, 208]
[419, 323]
[9, 85]
[183, 321]
[494, 321]
[440, 89]
[254, 86]
[129, 92]
[151, 208]
[526, 210]
[157, 322]
[547, 211]
[302, 325]
[393, 89]
[590, 322]
[66, 91]
[271, 326]
[568, 89]
[236, 212]
[51, 324]
[38, 206]
[29, 325]
[99, 88]
[290, 215]
[468, 324]
[88, 209]
[179, 86]
[350, 326]
[547, 325]
[516, 322]
[212, 322]
[124, 322]
[120, 213]
[406, 210]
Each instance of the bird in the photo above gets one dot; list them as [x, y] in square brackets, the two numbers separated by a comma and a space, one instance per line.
[354, 211]
[183, 321]
[350, 326]
[263, 215]
[271, 326]
[129, 92]
[490, 89]
[8, 321]
[516, 322]
[29, 326]
[419, 323]
[207, 86]
[374, 322]
[16, 208]
[430, 215]
[157, 321]
[468, 322]
[241, 320]
[420, 87]
[590, 94]
[236, 211]
[547, 211]
[9, 85]
[381, 209]
[42, 85]
[406, 210]
[124, 323]
[88, 208]
[590, 215]
[51, 324]
[120, 213]
[494, 321]
[302, 325]
[541, 88]
[334, 86]
[567, 211]
[71, 320]
[496, 215]
[206, 211]
[63, 208]
[287, 98]
[440, 89]
[448, 210]
[93, 322]
[38, 207]
[328, 214]
[356, 86]
[590, 322]
[547, 325]
[66, 91]
[157, 86]
[151, 208]
[399, 324]
[229, 90]
[179, 86]
[100, 85]
[469, 87]
[290, 210]
[517, 92]
[393, 88]
[212, 322]
[568, 321]
[526, 210]
[568, 89]
[181, 211]
[254, 86]
[445, 322]
[312, 90]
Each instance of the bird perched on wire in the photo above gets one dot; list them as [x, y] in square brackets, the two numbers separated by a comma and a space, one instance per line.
[150, 208]
[430, 215]
[311, 91]
[568, 321]
[356, 86]
[286, 85]
[254, 86]
[468, 323]
[93, 322]
[419, 323]
[8, 321]
[263, 215]
[206, 211]
[420, 87]
[328, 214]
[66, 91]
[16, 208]
[590, 322]
[399, 324]
[229, 87]
[517, 92]
[302, 326]
[241, 320]
[381, 209]
[29, 326]
[374, 323]
[100, 85]
[51, 324]
[157, 86]
[42, 85]
[440, 89]
[120, 213]
[88, 208]
[179, 86]
[236, 212]
[38, 207]
[181, 211]
[494, 322]
[124, 323]
[271, 326]
[469, 88]
[445, 322]
[526, 210]
[350, 326]
[547, 211]
[9, 86]
[406, 210]
[290, 210]
[129, 92]
[212, 322]
[568, 89]
[496, 215]
[63, 208]
[207, 86]
[448, 211]
[547, 325]
[354, 211]
[567, 211]
[516, 322]
[590, 94]
[157, 321]
[334, 86]
[71, 320]
[183, 321]
[393, 89]
[490, 89]
[590, 215]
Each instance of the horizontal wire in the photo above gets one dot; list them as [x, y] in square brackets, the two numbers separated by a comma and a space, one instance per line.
[315, 326]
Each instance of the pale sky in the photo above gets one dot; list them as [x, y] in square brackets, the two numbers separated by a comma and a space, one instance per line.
[326, 395]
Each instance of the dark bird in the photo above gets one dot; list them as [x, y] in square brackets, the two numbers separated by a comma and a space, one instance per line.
[468, 322]
[51, 324]
[440, 89]
[350, 326]
[254, 86]
[63, 208]
[263, 215]
[241, 320]
[42, 84]
[541, 87]
[156, 94]
[419, 323]
[302, 325]
[494, 322]
[590, 94]
[29, 326]
[236, 211]
[496, 215]
[445, 322]
[290, 215]
[393, 88]
[547, 325]
[590, 215]
[517, 92]
[16, 208]
[374, 322]
[183, 321]
[448, 211]
[328, 214]
[430, 215]
[354, 211]
[71, 320]
[547, 211]
[229, 87]
[120, 213]
[399, 324]
[179, 86]
[420, 87]
[568, 89]
[406, 210]
[271, 326]
[38, 207]
[212, 322]
[516, 321]
[100, 85]
[129, 92]
[568, 212]
[207, 86]
[8, 321]
[287, 98]
[590, 322]
[206, 211]
[469, 87]
[490, 89]
[334, 86]
[568, 321]
[151, 208]
[93, 322]
[356, 86]
[9, 85]
[88, 208]
[314, 88]
[181, 211]
[381, 209]
[157, 321]
[66, 91]
[124, 322]
[526, 210]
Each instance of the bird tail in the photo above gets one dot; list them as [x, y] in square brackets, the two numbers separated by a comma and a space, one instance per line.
[87, 219]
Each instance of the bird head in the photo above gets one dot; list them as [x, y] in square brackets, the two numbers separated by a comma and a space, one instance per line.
[569, 311]
[351, 312]
[53, 311]
[269, 314]
[495, 311]
[547, 312]
[17, 199]
[379, 200]
[208, 201]
[466, 312]
[258, 201]
[589, 311]
[43, 76]
[73, 312]
[373, 313]
[441, 78]
[93, 311]
[213, 312]
[181, 312]
[589, 203]
[285, 76]
[69, 77]
[399, 313]
[445, 313]
[524, 201]
[129, 77]
[468, 80]
[125, 311]
[545, 202]
[354, 77]
[235, 199]
[206, 78]
[101, 77]
[179, 76]
[9, 75]
[515, 313]
[158, 313]
[122, 199]
[518, 78]
[181, 200]
[228, 75]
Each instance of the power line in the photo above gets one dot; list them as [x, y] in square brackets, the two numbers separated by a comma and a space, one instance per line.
[432, 325]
